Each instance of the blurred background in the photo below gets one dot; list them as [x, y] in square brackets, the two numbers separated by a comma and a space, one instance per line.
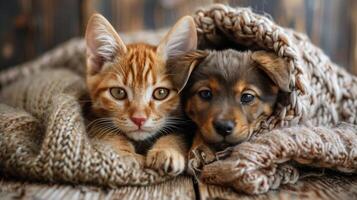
[30, 27]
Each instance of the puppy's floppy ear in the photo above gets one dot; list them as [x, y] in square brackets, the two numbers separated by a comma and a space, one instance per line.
[275, 67]
[180, 39]
[180, 68]
[103, 44]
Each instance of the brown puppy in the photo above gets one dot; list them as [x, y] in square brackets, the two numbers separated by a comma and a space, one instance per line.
[229, 93]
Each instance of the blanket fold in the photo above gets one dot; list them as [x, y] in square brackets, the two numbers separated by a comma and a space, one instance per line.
[262, 163]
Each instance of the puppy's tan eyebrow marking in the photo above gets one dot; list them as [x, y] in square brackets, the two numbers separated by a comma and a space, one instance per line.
[214, 84]
[239, 86]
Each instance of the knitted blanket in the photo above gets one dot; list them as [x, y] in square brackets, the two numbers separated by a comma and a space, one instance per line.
[42, 131]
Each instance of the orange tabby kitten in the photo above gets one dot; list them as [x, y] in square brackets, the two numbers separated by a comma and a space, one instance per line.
[134, 94]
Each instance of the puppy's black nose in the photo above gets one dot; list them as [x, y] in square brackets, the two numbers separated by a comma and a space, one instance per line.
[224, 127]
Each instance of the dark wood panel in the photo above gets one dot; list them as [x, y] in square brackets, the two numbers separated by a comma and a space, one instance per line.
[30, 27]
[13, 24]
[353, 35]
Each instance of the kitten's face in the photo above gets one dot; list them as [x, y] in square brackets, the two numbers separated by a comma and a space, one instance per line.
[132, 85]
[135, 92]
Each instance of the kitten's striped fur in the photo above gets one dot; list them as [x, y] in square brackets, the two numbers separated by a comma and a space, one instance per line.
[124, 83]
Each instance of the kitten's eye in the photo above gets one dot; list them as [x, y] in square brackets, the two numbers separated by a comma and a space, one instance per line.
[205, 94]
[246, 98]
[118, 93]
[161, 93]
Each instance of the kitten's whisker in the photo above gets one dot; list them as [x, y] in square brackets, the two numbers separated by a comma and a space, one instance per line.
[178, 119]
[101, 131]
[100, 120]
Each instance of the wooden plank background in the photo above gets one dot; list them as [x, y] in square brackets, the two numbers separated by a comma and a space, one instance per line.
[178, 188]
[30, 27]
[329, 186]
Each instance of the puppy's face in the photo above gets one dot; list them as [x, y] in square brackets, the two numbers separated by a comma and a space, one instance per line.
[230, 92]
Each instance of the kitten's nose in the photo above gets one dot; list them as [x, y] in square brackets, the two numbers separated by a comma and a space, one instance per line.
[139, 121]
[224, 127]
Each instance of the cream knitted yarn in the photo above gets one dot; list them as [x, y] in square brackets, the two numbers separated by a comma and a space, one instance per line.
[47, 108]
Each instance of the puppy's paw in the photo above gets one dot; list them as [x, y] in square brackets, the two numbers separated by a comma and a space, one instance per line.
[199, 156]
[166, 161]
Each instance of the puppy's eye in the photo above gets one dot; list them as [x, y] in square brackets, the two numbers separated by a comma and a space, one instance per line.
[246, 98]
[118, 93]
[205, 94]
[160, 93]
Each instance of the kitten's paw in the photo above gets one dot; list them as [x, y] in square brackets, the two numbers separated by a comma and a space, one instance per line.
[140, 159]
[137, 160]
[169, 161]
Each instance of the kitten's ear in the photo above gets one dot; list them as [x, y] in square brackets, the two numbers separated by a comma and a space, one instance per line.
[180, 39]
[103, 43]
[275, 67]
[180, 68]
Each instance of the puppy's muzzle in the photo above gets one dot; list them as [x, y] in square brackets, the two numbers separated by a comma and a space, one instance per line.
[224, 127]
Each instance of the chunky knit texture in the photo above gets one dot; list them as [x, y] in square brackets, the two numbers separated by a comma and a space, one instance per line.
[42, 134]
